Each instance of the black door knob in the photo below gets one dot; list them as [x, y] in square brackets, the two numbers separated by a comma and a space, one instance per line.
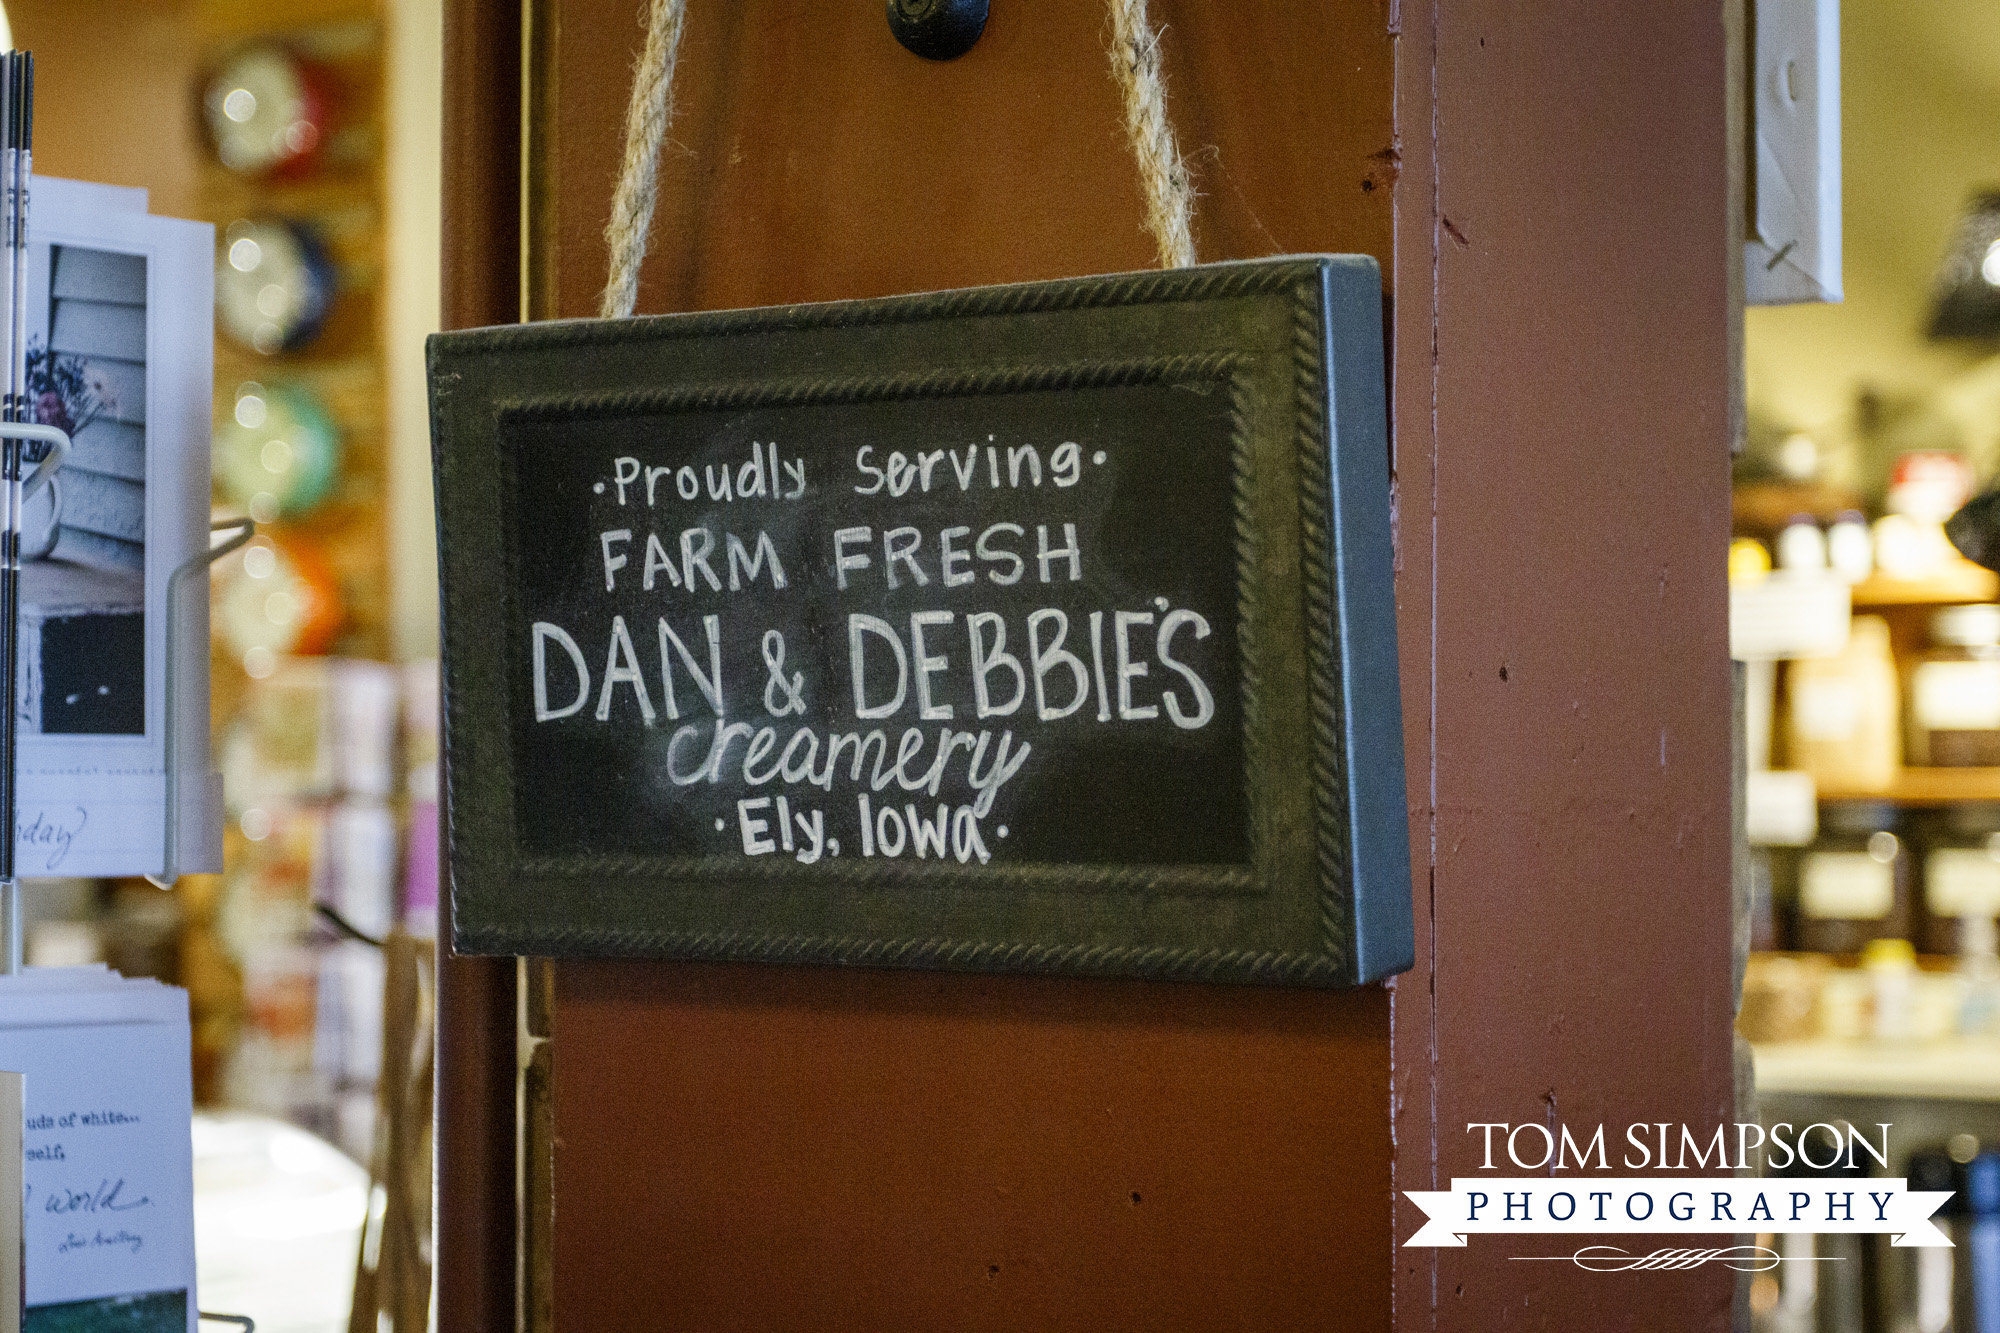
[937, 29]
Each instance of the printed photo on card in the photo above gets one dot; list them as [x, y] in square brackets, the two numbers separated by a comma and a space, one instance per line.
[119, 354]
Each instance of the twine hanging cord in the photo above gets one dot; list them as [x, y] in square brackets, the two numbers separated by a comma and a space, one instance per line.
[646, 121]
[1135, 63]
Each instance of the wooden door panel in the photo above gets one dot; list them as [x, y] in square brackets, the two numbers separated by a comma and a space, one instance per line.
[763, 1148]
[879, 1150]
[742, 1147]
[812, 158]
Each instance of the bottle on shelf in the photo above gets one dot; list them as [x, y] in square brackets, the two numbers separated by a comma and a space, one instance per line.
[1891, 965]
[1977, 1296]
[1850, 548]
[1802, 546]
[1927, 1271]
[1763, 908]
[1826, 1280]
[1979, 965]
[1843, 712]
[1925, 488]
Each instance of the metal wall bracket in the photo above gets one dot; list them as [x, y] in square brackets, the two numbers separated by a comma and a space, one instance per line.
[240, 530]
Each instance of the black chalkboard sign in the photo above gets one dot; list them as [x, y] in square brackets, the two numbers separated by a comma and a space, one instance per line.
[1031, 628]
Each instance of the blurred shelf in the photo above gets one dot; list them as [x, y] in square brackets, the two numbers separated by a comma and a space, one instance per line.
[1962, 581]
[1763, 507]
[1957, 1070]
[1926, 786]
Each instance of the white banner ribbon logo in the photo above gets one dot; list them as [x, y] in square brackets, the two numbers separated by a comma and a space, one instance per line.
[1684, 1206]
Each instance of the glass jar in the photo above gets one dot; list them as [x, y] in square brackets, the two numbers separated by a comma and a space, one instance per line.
[1961, 874]
[1955, 691]
[1855, 882]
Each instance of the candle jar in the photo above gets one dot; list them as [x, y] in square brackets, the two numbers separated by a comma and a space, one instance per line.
[1855, 882]
[1961, 874]
[1955, 691]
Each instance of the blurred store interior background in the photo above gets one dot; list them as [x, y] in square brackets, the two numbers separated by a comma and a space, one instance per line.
[307, 132]
[1871, 654]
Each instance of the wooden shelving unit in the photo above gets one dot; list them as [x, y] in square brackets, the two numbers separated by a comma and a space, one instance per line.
[1959, 582]
[1927, 786]
[1762, 508]
[1960, 1069]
